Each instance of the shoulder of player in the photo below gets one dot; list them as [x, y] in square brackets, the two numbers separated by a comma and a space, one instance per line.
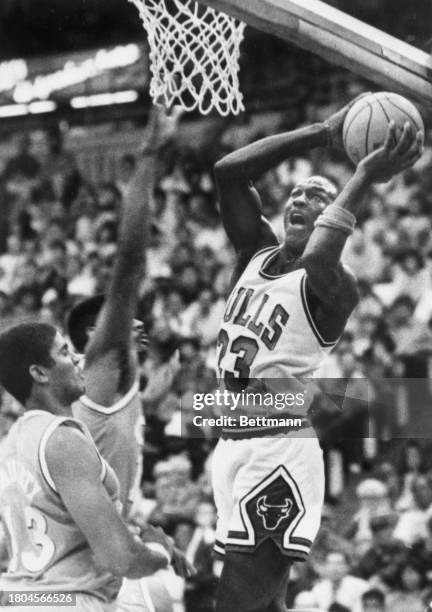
[108, 374]
[69, 452]
[244, 258]
[267, 240]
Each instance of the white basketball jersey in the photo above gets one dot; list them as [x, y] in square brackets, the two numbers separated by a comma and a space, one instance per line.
[267, 330]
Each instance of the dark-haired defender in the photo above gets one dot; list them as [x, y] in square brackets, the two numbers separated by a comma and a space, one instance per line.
[104, 328]
[288, 307]
[58, 497]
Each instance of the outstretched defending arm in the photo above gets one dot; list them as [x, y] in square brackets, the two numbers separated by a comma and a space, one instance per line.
[109, 359]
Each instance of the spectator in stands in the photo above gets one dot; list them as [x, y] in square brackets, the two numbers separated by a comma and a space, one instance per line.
[177, 496]
[60, 167]
[411, 337]
[373, 601]
[85, 281]
[416, 226]
[338, 585]
[202, 317]
[412, 524]
[411, 463]
[24, 164]
[410, 275]
[364, 258]
[373, 501]
[421, 553]
[387, 473]
[407, 597]
[386, 556]
[329, 539]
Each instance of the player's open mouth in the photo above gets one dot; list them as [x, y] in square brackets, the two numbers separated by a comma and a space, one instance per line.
[297, 218]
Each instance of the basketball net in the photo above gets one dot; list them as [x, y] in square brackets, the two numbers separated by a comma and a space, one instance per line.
[194, 55]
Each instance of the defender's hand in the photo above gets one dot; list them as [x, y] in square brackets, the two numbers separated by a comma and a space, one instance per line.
[152, 534]
[396, 154]
[335, 123]
[181, 565]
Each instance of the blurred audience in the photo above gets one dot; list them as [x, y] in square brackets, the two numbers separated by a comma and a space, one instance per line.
[58, 243]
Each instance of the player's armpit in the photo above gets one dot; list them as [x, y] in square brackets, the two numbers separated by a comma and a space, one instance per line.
[107, 374]
[267, 238]
[75, 468]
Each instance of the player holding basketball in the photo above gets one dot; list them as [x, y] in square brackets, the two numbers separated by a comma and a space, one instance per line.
[105, 328]
[58, 497]
[288, 307]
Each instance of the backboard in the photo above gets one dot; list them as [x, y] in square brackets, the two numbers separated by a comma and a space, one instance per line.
[340, 39]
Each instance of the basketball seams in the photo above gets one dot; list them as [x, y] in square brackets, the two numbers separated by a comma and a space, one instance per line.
[404, 112]
[362, 132]
[368, 128]
[383, 108]
[346, 128]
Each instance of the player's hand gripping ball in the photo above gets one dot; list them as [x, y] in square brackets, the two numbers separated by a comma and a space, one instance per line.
[366, 123]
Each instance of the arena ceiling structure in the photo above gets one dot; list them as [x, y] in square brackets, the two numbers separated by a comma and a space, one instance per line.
[37, 27]
[63, 53]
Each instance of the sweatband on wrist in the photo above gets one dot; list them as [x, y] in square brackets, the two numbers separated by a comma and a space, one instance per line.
[160, 549]
[336, 217]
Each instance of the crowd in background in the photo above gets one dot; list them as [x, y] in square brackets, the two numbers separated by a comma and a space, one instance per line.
[58, 240]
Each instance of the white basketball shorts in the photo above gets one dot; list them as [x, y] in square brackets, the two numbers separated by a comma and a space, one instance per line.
[268, 488]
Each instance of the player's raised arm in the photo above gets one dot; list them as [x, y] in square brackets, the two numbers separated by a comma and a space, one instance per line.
[326, 277]
[75, 468]
[240, 203]
[109, 358]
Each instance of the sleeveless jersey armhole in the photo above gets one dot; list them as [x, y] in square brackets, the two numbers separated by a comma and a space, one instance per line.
[124, 401]
[43, 444]
[308, 311]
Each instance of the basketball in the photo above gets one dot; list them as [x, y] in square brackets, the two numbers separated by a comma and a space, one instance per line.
[366, 123]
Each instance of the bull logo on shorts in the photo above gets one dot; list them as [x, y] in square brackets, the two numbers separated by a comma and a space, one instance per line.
[273, 514]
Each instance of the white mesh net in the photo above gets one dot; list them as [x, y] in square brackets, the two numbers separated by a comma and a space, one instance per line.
[194, 55]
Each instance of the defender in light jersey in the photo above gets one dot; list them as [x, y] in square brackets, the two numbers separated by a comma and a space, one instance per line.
[59, 499]
[288, 307]
[104, 328]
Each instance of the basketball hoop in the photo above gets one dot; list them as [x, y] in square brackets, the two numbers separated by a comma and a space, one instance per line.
[194, 55]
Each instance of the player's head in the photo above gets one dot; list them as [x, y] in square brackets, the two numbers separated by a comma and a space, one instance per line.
[373, 601]
[337, 565]
[306, 202]
[36, 357]
[81, 323]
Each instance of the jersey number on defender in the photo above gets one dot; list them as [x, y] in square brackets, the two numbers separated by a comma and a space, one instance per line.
[246, 349]
[33, 549]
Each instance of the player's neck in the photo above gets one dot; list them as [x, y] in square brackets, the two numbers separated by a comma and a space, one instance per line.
[288, 259]
[44, 400]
